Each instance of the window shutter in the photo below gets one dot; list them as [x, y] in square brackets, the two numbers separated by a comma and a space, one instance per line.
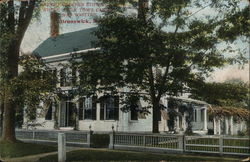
[116, 107]
[102, 108]
[80, 115]
[73, 76]
[48, 115]
[81, 74]
[94, 101]
[62, 77]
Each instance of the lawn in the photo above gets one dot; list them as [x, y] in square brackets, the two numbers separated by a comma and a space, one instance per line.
[111, 155]
[19, 149]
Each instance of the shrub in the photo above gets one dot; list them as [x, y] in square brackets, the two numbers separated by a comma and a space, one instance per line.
[99, 140]
[210, 132]
[241, 133]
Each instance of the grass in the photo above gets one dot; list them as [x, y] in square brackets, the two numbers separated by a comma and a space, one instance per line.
[111, 155]
[19, 149]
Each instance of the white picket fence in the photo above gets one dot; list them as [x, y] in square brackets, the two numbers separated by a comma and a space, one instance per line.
[180, 143]
[44, 136]
[148, 142]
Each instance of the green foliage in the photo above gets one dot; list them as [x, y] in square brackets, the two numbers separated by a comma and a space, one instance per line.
[99, 140]
[234, 94]
[160, 49]
[210, 132]
[34, 84]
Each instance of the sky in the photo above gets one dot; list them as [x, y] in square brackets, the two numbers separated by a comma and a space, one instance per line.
[39, 31]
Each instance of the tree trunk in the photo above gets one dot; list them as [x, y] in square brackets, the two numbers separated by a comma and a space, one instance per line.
[156, 113]
[25, 14]
[1, 115]
[9, 106]
[8, 133]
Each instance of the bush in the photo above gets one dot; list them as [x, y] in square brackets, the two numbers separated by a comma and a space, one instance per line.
[242, 133]
[99, 140]
[210, 132]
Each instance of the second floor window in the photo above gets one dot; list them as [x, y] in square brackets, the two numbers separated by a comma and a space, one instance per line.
[67, 77]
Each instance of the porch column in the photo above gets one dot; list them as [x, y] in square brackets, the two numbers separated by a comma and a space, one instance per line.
[184, 122]
[226, 125]
[219, 127]
[25, 119]
[58, 76]
[215, 125]
[177, 122]
[231, 125]
[205, 120]
[53, 110]
[98, 111]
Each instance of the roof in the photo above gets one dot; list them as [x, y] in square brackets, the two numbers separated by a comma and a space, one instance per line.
[190, 100]
[67, 43]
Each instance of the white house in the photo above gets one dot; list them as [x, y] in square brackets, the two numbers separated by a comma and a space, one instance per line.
[103, 113]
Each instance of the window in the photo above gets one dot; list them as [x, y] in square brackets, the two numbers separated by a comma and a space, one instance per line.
[80, 113]
[67, 77]
[109, 108]
[89, 106]
[48, 115]
[202, 115]
[135, 107]
[134, 114]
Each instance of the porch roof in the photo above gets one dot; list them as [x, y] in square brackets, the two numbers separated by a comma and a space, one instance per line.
[189, 100]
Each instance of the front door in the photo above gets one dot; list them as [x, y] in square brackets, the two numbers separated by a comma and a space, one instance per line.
[67, 114]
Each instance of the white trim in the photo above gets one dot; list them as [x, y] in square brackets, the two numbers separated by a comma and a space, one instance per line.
[66, 54]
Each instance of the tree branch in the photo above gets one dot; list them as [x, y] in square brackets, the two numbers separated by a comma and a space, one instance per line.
[23, 25]
[164, 77]
[11, 16]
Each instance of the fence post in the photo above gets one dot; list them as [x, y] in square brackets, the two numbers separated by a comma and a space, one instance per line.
[33, 135]
[89, 139]
[144, 140]
[61, 147]
[221, 145]
[180, 142]
[111, 140]
[184, 143]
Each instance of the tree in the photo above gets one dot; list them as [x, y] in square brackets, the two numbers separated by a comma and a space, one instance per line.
[17, 26]
[34, 84]
[159, 49]
[229, 93]
[15, 17]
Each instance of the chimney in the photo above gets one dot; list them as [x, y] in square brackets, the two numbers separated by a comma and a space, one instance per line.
[142, 9]
[54, 24]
